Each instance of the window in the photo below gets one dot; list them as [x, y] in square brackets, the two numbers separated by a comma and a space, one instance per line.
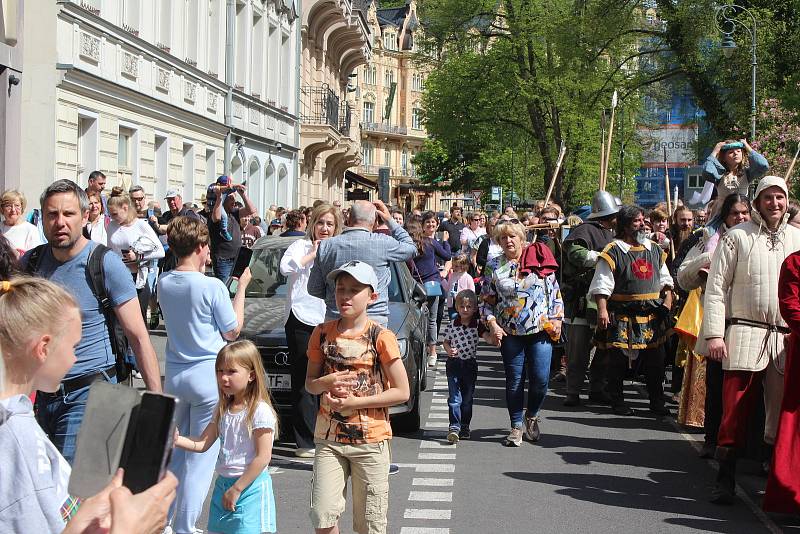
[369, 153]
[130, 16]
[390, 40]
[191, 29]
[404, 161]
[241, 46]
[417, 82]
[388, 77]
[188, 172]
[694, 181]
[164, 26]
[387, 157]
[211, 165]
[416, 119]
[124, 140]
[162, 164]
[214, 47]
[369, 112]
[370, 75]
[257, 59]
[286, 72]
[87, 146]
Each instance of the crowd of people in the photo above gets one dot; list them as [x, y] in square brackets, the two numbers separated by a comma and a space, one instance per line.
[611, 291]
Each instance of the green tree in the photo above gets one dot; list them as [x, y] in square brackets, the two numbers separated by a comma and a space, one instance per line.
[519, 78]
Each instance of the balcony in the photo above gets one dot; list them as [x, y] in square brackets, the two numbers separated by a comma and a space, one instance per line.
[319, 106]
[345, 118]
[380, 127]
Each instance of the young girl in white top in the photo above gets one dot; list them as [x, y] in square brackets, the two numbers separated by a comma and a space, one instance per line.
[458, 280]
[246, 424]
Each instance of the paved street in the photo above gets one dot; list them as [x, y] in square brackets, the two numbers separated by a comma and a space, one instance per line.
[591, 472]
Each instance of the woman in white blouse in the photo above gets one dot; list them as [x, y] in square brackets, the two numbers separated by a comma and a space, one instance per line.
[22, 235]
[134, 240]
[304, 313]
[95, 228]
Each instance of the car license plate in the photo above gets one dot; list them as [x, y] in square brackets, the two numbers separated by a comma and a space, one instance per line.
[280, 381]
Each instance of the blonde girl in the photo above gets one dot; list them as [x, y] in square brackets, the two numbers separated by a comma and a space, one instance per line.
[246, 424]
[731, 167]
[36, 354]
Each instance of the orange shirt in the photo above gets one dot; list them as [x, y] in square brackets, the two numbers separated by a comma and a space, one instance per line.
[364, 353]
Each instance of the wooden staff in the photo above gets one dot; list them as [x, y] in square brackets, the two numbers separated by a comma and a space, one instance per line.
[607, 155]
[788, 177]
[602, 149]
[669, 200]
[560, 160]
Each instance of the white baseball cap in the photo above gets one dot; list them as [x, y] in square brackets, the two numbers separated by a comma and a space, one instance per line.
[360, 270]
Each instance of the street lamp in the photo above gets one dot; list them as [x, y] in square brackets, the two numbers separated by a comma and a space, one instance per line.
[727, 24]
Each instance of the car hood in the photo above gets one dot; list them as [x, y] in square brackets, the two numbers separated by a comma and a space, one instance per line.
[264, 320]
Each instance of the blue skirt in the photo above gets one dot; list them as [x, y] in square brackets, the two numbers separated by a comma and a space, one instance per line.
[255, 509]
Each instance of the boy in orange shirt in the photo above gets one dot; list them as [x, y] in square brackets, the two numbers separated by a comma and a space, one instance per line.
[355, 365]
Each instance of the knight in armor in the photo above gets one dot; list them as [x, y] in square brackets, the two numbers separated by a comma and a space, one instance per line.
[581, 250]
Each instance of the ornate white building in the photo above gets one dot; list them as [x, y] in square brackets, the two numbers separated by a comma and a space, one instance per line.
[163, 93]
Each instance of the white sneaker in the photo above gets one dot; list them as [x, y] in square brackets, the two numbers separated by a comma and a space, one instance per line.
[305, 453]
[432, 360]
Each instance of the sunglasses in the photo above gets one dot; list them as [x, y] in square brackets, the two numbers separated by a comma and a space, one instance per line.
[508, 221]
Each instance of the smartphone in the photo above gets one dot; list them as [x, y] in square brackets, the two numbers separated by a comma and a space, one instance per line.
[242, 262]
[148, 443]
[150, 212]
[122, 428]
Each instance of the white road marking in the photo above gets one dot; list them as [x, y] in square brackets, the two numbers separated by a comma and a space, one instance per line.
[434, 444]
[438, 415]
[444, 407]
[426, 513]
[436, 468]
[431, 496]
[442, 482]
[424, 530]
[436, 456]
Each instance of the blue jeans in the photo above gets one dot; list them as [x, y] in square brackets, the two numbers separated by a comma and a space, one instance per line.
[461, 378]
[531, 352]
[223, 267]
[60, 416]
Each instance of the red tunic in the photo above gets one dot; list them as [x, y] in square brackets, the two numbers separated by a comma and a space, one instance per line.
[783, 485]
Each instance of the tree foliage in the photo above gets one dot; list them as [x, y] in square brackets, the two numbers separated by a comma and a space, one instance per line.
[516, 79]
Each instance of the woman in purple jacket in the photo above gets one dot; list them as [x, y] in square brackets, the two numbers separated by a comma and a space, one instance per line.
[428, 272]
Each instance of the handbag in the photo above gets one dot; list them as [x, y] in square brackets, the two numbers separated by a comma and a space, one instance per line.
[433, 288]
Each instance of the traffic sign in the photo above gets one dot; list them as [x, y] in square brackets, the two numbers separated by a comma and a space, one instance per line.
[476, 194]
[495, 192]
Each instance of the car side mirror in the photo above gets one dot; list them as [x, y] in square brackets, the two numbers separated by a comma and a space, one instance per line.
[418, 294]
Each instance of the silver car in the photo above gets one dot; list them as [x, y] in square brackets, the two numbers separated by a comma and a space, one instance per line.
[265, 315]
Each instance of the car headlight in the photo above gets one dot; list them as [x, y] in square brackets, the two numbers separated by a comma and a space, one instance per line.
[403, 344]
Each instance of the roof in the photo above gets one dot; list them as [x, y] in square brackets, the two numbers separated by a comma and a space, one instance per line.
[395, 16]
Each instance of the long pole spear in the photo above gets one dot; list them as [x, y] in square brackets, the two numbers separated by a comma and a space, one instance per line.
[607, 156]
[561, 154]
[602, 149]
[788, 176]
[669, 199]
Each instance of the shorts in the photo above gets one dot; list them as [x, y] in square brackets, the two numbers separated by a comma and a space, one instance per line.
[255, 509]
[367, 466]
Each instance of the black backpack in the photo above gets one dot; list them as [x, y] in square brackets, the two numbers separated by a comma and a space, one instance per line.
[96, 274]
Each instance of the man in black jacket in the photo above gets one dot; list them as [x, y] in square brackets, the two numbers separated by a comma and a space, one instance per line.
[453, 227]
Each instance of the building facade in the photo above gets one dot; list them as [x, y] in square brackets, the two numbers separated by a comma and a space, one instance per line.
[335, 41]
[163, 93]
[11, 59]
[388, 100]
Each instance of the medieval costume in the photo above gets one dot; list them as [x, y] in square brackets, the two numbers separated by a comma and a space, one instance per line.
[783, 485]
[632, 277]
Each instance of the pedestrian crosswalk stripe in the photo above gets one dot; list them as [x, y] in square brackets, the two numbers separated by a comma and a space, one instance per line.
[426, 513]
[435, 444]
[437, 424]
[443, 482]
[431, 496]
[436, 468]
[436, 456]
[440, 407]
[439, 400]
[424, 530]
[437, 415]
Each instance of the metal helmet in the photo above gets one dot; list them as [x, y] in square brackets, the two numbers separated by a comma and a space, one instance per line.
[603, 205]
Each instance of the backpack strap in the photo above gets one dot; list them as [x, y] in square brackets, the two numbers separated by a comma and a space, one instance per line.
[34, 259]
[96, 272]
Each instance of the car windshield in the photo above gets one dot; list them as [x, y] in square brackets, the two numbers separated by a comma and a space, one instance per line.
[269, 282]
